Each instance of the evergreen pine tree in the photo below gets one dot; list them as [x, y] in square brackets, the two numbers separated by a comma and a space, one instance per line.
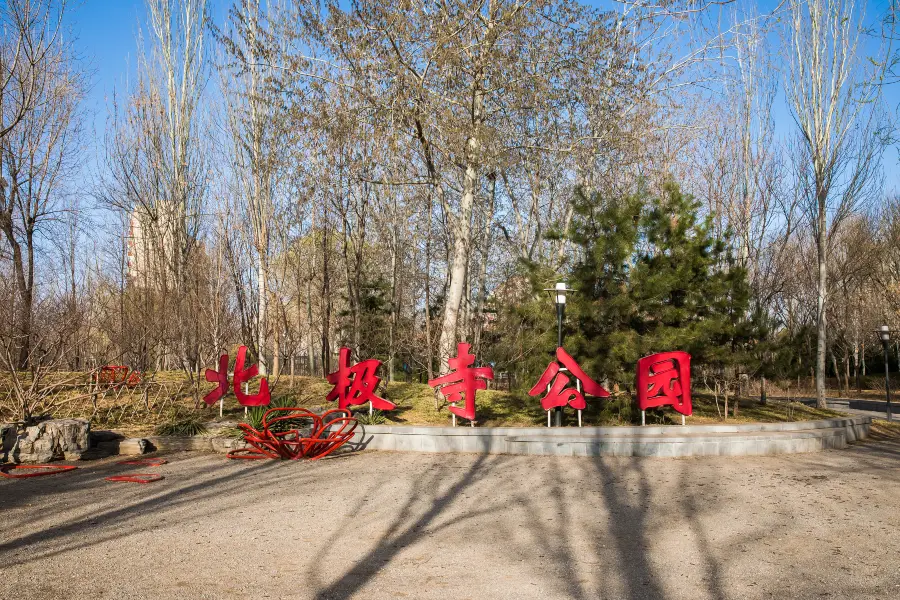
[653, 277]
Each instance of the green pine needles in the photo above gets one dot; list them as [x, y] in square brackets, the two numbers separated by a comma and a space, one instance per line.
[652, 276]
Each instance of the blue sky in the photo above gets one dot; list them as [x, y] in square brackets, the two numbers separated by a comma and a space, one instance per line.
[106, 33]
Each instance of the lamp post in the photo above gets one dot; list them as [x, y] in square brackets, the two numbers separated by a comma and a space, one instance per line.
[885, 334]
[558, 293]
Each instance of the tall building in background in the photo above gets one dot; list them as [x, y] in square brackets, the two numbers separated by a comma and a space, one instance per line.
[150, 248]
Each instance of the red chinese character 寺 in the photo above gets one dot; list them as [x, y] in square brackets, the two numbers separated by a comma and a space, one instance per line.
[357, 384]
[665, 379]
[558, 393]
[462, 382]
[241, 375]
[220, 376]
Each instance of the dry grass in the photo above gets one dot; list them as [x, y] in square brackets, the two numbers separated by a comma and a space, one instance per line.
[884, 431]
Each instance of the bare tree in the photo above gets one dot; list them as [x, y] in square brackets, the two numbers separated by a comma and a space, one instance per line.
[156, 165]
[30, 41]
[35, 158]
[833, 97]
[255, 129]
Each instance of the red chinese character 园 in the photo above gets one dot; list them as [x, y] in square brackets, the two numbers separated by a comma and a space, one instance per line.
[462, 382]
[665, 379]
[357, 384]
[560, 395]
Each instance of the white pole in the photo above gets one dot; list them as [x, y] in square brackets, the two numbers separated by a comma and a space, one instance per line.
[370, 408]
[578, 387]
[454, 420]
[548, 412]
[643, 418]
[246, 391]
[221, 402]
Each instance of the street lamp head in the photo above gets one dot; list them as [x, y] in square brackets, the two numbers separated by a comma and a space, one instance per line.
[884, 333]
[561, 292]
[558, 293]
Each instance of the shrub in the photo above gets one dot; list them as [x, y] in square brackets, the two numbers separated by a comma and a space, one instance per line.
[187, 426]
[255, 415]
[376, 418]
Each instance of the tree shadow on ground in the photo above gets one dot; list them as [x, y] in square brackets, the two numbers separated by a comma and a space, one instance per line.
[214, 481]
[405, 529]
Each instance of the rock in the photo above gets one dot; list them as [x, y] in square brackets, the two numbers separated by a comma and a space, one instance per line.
[105, 436]
[95, 453]
[224, 445]
[50, 440]
[7, 439]
[133, 446]
[129, 447]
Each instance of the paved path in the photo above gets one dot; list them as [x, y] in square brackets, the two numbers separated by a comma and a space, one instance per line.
[410, 525]
[843, 405]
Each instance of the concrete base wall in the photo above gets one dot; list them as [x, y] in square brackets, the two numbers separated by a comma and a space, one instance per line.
[873, 405]
[665, 441]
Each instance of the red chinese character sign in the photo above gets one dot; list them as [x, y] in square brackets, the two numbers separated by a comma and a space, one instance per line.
[665, 379]
[240, 376]
[462, 382]
[554, 385]
[219, 377]
[356, 384]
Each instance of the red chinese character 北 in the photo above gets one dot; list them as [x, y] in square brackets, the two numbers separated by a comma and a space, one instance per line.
[665, 379]
[241, 375]
[357, 384]
[558, 393]
[220, 377]
[462, 382]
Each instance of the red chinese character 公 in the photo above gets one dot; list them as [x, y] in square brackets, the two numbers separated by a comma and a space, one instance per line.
[220, 376]
[241, 375]
[357, 384]
[463, 381]
[559, 394]
[665, 379]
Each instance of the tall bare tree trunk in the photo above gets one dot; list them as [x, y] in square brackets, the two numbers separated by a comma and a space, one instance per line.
[392, 325]
[429, 354]
[821, 293]
[326, 303]
[462, 231]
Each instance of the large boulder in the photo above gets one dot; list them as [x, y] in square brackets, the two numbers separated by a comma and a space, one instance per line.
[49, 440]
[7, 439]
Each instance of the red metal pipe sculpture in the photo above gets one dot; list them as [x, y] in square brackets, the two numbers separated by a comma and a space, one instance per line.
[326, 435]
[115, 376]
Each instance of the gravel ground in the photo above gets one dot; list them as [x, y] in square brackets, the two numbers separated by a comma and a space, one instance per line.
[407, 525]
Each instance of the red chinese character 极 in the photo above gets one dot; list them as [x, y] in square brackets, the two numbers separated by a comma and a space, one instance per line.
[354, 385]
[558, 393]
[665, 379]
[462, 382]
[220, 377]
[241, 375]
